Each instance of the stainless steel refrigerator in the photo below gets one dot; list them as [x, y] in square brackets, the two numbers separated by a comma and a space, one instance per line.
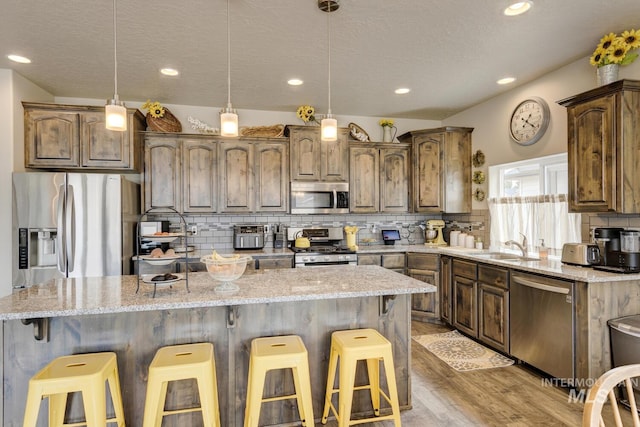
[72, 225]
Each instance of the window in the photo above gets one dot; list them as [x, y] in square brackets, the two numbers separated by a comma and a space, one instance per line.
[530, 198]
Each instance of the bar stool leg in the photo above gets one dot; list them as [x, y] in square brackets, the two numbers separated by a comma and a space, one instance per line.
[331, 378]
[303, 393]
[210, 415]
[95, 409]
[32, 407]
[392, 386]
[57, 408]
[373, 369]
[152, 410]
[347, 378]
[254, 396]
[114, 388]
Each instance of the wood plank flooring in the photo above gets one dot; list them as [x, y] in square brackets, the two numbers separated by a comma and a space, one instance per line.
[513, 396]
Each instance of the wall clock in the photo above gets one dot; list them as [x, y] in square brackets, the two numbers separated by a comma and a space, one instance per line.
[529, 121]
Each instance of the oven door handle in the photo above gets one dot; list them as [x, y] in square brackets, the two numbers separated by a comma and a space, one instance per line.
[541, 286]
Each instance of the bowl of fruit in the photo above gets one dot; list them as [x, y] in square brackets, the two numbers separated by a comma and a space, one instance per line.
[225, 269]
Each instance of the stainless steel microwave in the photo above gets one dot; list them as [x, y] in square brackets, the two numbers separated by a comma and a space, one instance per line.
[319, 197]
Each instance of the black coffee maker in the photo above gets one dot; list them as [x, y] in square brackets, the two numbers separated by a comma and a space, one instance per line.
[613, 256]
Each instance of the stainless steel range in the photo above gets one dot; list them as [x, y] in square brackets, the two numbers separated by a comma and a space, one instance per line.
[324, 247]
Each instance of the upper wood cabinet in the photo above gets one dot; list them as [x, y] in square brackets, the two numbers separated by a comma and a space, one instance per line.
[441, 169]
[379, 177]
[204, 174]
[316, 160]
[74, 137]
[604, 148]
[199, 175]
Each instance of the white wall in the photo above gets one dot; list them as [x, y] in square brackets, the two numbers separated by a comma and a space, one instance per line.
[13, 89]
[490, 119]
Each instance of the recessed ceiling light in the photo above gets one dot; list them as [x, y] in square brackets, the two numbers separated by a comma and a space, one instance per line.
[518, 8]
[402, 90]
[506, 80]
[169, 72]
[20, 59]
[295, 82]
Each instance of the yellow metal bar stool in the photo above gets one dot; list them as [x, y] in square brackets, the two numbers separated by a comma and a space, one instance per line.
[278, 353]
[85, 373]
[349, 347]
[181, 362]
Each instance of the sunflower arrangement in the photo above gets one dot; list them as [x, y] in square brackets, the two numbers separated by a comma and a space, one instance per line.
[156, 110]
[386, 122]
[614, 49]
[306, 113]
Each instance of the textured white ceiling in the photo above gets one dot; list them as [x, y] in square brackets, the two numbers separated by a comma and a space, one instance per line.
[449, 52]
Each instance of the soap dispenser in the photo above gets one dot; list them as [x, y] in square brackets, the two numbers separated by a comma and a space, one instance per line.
[543, 251]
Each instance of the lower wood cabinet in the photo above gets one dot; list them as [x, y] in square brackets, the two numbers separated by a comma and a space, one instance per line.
[391, 261]
[493, 306]
[425, 267]
[480, 302]
[465, 296]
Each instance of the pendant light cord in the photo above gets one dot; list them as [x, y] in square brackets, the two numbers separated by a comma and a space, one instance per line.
[228, 59]
[329, 59]
[115, 52]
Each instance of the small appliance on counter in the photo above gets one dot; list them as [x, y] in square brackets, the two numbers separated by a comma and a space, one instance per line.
[390, 236]
[619, 250]
[248, 237]
[433, 233]
[580, 254]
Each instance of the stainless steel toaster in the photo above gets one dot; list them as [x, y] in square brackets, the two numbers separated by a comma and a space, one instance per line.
[580, 254]
[248, 236]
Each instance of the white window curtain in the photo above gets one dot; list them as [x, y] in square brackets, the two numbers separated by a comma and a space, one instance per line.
[537, 217]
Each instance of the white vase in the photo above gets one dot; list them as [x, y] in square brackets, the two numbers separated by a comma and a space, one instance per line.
[388, 133]
[607, 74]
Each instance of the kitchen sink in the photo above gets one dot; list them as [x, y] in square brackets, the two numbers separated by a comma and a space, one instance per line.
[505, 257]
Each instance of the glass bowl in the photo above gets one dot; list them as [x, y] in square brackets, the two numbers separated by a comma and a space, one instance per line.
[225, 269]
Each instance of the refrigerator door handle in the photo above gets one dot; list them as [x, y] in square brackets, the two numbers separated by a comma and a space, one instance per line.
[70, 228]
[61, 235]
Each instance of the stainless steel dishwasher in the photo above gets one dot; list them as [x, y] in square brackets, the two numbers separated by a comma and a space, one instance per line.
[542, 323]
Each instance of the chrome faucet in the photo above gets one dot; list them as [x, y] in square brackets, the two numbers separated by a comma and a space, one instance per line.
[522, 247]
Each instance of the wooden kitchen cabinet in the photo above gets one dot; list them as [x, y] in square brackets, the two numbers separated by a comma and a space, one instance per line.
[603, 148]
[391, 261]
[445, 289]
[465, 296]
[253, 176]
[162, 172]
[424, 267]
[236, 176]
[316, 160]
[379, 178]
[74, 137]
[441, 169]
[493, 305]
[199, 175]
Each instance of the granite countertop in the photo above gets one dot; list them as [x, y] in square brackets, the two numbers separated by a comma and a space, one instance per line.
[116, 294]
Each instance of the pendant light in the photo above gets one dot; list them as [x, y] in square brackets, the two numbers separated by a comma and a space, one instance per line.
[328, 125]
[115, 111]
[228, 116]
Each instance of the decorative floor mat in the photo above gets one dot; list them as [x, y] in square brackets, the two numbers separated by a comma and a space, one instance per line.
[462, 353]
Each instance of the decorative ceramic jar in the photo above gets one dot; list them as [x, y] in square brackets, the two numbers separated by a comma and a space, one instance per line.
[607, 74]
[388, 133]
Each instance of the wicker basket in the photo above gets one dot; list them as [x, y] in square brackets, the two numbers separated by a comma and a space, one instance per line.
[166, 123]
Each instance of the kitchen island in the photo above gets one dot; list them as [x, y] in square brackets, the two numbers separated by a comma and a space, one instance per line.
[106, 314]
